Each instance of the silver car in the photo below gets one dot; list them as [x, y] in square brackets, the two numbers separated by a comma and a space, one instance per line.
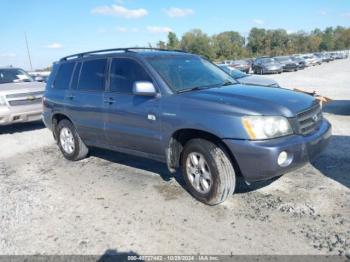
[247, 79]
[20, 97]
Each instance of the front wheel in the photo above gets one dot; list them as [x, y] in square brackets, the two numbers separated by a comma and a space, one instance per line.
[69, 142]
[208, 172]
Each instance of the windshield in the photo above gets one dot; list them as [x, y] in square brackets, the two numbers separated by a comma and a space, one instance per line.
[283, 59]
[14, 75]
[233, 72]
[267, 60]
[189, 72]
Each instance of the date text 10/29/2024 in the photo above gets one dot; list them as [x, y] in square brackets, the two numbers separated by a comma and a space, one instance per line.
[173, 258]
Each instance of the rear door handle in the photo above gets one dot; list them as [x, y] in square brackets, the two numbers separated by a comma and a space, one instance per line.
[109, 100]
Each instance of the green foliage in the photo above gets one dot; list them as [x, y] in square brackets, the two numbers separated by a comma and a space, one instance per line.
[232, 45]
[173, 41]
[228, 45]
[197, 42]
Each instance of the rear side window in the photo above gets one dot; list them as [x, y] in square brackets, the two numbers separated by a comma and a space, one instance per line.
[64, 76]
[92, 75]
[124, 73]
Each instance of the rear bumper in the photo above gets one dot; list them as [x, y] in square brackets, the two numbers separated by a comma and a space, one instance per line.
[20, 114]
[257, 160]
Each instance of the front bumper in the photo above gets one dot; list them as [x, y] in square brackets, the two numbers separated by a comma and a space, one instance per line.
[290, 68]
[272, 70]
[21, 114]
[257, 160]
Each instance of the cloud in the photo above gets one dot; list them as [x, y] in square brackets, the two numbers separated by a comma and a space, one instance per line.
[54, 46]
[8, 55]
[323, 13]
[178, 12]
[102, 30]
[120, 11]
[258, 21]
[346, 14]
[159, 29]
[121, 29]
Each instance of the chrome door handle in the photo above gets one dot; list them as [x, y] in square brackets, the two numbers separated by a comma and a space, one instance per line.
[109, 100]
[70, 97]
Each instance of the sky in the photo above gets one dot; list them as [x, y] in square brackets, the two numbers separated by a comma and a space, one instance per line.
[58, 28]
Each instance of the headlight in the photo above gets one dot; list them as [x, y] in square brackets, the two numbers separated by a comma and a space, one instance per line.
[265, 127]
[2, 101]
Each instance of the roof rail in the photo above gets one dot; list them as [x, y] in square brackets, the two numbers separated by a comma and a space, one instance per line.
[127, 49]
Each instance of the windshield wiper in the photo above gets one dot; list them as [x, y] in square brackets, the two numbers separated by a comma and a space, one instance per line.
[242, 76]
[228, 83]
[196, 88]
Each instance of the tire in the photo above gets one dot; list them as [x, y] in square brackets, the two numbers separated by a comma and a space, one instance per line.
[77, 149]
[222, 180]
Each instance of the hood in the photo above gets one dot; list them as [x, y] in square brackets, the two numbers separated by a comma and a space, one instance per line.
[252, 100]
[272, 64]
[257, 80]
[22, 87]
[288, 63]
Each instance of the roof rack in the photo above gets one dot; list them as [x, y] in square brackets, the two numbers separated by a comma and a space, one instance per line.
[127, 49]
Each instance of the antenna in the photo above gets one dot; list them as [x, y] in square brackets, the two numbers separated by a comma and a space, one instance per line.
[30, 60]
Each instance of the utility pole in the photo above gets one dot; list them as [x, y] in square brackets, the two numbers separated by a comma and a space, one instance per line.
[30, 60]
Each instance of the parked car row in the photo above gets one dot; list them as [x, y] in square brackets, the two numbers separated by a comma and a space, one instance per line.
[40, 76]
[279, 64]
[248, 79]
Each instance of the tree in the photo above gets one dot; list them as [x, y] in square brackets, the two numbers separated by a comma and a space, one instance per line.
[257, 41]
[279, 42]
[327, 42]
[261, 42]
[229, 45]
[197, 42]
[161, 45]
[173, 41]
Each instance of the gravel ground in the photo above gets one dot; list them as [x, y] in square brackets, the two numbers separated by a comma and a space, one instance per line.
[112, 201]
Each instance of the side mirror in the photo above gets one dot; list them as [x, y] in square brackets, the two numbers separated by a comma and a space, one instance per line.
[39, 79]
[143, 88]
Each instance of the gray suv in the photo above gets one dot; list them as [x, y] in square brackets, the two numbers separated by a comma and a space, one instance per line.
[183, 110]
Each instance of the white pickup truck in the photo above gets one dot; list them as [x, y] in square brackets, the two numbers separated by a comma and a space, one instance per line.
[20, 97]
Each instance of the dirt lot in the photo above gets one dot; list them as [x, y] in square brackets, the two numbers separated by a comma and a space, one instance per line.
[117, 202]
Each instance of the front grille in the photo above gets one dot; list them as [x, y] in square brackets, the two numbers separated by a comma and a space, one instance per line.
[25, 102]
[21, 95]
[310, 120]
[290, 65]
[23, 99]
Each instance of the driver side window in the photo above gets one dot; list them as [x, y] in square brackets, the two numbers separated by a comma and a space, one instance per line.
[124, 73]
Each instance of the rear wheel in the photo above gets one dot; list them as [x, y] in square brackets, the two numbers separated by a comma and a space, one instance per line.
[208, 172]
[69, 142]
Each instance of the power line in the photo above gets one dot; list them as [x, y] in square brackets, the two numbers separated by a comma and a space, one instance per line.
[30, 60]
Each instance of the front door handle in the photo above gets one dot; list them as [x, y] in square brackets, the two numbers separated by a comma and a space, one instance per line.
[109, 100]
[71, 97]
